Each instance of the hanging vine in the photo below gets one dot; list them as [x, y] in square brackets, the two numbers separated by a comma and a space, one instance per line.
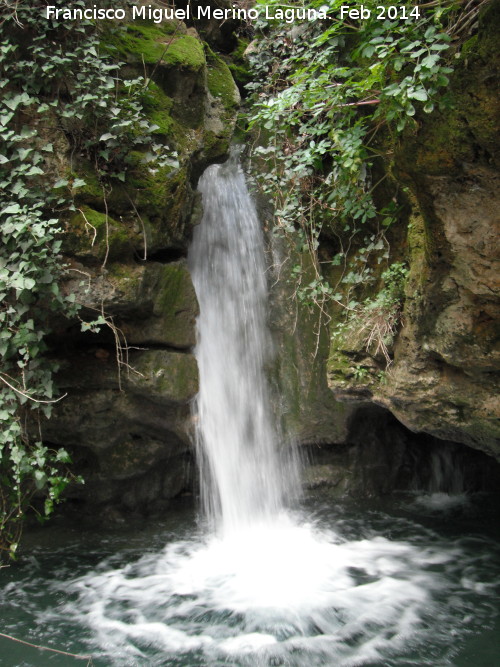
[330, 99]
[56, 84]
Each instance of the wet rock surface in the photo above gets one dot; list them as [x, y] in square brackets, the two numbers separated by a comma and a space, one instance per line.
[380, 457]
[444, 377]
[129, 372]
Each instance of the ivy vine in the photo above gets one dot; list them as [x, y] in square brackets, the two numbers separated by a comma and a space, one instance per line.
[329, 100]
[57, 86]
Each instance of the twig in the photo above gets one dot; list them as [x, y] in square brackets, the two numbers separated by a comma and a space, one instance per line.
[13, 14]
[84, 273]
[143, 227]
[89, 224]
[35, 400]
[53, 650]
[107, 227]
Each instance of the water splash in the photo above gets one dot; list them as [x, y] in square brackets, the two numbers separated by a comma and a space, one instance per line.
[288, 592]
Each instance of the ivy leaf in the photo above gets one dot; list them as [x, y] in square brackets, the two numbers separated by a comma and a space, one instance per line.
[29, 283]
[34, 171]
[40, 479]
[420, 94]
[60, 183]
[63, 456]
[11, 209]
[5, 118]
[17, 100]
[24, 152]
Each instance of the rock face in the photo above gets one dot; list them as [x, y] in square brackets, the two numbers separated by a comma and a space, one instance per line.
[380, 456]
[445, 375]
[309, 412]
[447, 360]
[130, 377]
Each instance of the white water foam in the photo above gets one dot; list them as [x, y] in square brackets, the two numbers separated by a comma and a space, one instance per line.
[280, 593]
[441, 502]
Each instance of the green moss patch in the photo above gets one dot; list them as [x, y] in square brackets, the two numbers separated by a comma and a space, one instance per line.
[153, 43]
[92, 233]
[239, 66]
[158, 106]
[157, 189]
[169, 294]
[220, 81]
[225, 100]
[241, 75]
[167, 375]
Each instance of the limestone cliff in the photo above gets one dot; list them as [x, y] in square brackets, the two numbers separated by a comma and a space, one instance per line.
[444, 377]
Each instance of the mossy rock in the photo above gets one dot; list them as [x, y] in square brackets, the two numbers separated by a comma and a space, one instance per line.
[215, 145]
[165, 376]
[339, 365]
[238, 65]
[126, 283]
[175, 304]
[220, 82]
[193, 106]
[224, 100]
[151, 205]
[161, 196]
[420, 246]
[158, 105]
[153, 43]
[170, 307]
[149, 182]
[92, 235]
[238, 54]
[129, 458]
[91, 193]
[466, 130]
[173, 290]
[241, 74]
[489, 28]
[94, 195]
[173, 55]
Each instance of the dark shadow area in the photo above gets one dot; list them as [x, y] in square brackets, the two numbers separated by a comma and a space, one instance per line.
[381, 456]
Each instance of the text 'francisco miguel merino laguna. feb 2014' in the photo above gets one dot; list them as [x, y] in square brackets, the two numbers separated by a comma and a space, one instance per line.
[284, 13]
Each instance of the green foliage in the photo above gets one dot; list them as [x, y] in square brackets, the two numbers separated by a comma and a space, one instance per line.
[375, 322]
[360, 373]
[324, 92]
[30, 267]
[57, 86]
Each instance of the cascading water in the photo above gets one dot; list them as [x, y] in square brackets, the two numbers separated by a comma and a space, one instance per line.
[243, 477]
[439, 481]
[268, 586]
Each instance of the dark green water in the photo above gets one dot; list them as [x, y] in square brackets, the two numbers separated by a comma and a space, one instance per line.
[387, 584]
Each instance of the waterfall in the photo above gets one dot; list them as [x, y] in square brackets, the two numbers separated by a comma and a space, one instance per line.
[446, 473]
[244, 477]
[439, 469]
